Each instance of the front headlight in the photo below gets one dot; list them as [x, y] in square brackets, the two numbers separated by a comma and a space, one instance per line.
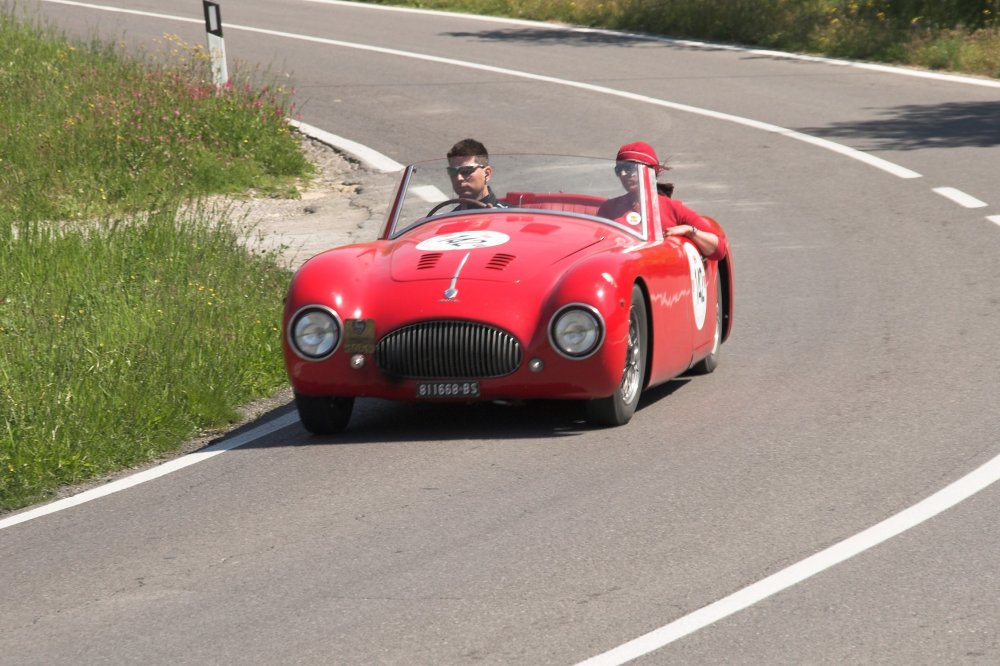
[314, 333]
[576, 331]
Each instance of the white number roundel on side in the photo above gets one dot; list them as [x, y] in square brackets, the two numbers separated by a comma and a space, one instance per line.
[699, 285]
[463, 240]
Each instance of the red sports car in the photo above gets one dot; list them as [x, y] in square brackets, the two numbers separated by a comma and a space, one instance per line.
[534, 297]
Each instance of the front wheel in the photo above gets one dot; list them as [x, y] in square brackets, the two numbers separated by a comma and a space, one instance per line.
[617, 408]
[324, 415]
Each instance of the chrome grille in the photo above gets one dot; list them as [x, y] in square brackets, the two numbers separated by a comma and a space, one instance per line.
[448, 350]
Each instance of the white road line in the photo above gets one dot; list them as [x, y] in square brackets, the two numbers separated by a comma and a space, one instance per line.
[372, 158]
[884, 69]
[995, 219]
[153, 473]
[841, 149]
[960, 490]
[960, 197]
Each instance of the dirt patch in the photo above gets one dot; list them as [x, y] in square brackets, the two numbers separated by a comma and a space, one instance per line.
[344, 203]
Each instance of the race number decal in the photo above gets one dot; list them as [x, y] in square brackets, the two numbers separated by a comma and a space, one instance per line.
[699, 285]
[463, 240]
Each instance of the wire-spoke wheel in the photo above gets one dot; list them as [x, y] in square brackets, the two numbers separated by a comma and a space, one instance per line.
[617, 408]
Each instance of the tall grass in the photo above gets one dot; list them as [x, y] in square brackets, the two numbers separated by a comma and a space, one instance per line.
[123, 339]
[83, 129]
[126, 327]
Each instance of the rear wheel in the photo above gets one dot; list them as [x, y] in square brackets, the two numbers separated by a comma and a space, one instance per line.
[710, 362]
[617, 408]
[324, 415]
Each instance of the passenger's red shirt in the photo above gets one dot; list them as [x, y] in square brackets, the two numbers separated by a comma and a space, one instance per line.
[672, 213]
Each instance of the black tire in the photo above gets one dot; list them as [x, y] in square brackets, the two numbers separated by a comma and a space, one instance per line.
[617, 408]
[324, 415]
[708, 364]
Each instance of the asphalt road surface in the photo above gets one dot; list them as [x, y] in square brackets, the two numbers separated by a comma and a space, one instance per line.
[861, 379]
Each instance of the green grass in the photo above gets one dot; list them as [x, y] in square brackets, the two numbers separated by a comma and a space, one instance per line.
[85, 130]
[126, 327]
[123, 339]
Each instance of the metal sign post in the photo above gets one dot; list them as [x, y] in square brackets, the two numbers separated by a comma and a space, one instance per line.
[216, 45]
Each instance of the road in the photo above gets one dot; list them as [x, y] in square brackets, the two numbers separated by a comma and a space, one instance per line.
[861, 379]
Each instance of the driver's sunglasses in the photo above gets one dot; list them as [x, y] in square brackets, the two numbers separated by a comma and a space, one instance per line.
[626, 168]
[464, 171]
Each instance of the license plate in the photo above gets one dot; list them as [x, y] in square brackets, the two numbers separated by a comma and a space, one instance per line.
[448, 389]
[359, 336]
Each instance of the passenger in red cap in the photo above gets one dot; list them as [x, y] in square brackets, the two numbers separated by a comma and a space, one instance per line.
[676, 218]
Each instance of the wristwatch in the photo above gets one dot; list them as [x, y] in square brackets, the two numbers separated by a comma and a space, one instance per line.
[694, 232]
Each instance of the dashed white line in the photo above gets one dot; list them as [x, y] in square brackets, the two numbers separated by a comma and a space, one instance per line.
[995, 219]
[960, 197]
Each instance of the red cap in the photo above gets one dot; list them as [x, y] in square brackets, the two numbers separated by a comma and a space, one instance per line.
[642, 152]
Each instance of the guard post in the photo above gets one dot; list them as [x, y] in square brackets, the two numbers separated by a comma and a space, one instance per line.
[216, 45]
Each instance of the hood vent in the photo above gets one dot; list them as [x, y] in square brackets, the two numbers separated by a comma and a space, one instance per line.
[428, 261]
[500, 261]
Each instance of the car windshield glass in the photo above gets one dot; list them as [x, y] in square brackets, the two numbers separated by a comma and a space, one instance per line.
[600, 189]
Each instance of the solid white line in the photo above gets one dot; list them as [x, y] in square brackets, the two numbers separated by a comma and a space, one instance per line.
[841, 149]
[153, 473]
[960, 490]
[960, 197]
[135, 12]
[884, 69]
[372, 158]
[995, 219]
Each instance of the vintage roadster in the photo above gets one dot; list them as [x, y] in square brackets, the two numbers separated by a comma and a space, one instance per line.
[536, 297]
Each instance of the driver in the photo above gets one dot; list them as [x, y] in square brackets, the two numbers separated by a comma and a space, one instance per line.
[470, 171]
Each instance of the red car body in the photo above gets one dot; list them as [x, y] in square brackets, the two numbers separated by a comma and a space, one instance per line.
[540, 299]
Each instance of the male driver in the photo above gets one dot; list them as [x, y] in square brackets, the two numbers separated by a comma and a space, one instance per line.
[470, 172]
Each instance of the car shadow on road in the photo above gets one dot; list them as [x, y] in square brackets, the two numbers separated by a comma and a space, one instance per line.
[915, 126]
[376, 421]
[548, 36]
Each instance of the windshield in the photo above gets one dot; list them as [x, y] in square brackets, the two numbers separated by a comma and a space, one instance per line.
[580, 186]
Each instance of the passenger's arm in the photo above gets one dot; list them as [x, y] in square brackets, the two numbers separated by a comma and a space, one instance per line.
[706, 241]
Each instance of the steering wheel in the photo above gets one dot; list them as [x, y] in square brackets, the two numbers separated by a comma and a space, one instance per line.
[461, 200]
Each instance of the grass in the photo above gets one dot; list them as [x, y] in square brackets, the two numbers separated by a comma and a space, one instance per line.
[125, 326]
[124, 339]
[84, 129]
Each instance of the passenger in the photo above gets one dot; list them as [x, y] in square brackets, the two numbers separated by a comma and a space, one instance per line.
[676, 218]
[470, 172]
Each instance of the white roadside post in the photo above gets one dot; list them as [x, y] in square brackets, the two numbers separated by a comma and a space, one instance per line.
[216, 45]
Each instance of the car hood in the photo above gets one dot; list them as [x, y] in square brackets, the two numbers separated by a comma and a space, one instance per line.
[498, 247]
